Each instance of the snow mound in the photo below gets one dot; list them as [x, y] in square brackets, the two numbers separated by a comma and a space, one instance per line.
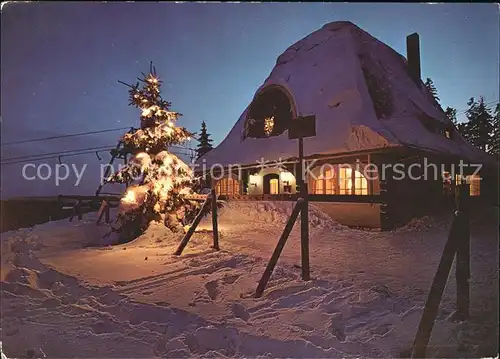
[419, 224]
[269, 213]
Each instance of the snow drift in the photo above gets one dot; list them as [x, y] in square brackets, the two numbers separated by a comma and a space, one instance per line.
[62, 298]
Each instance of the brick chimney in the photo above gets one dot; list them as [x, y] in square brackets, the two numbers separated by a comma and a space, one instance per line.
[413, 57]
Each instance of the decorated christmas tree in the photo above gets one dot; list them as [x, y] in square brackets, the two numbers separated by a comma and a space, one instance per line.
[160, 182]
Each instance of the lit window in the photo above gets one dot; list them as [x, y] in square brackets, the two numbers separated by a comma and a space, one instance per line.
[345, 180]
[325, 183]
[360, 184]
[474, 182]
[349, 182]
[227, 186]
[273, 186]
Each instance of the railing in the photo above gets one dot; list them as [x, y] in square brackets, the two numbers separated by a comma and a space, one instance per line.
[311, 198]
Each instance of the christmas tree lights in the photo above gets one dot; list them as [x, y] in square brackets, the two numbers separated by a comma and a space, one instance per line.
[159, 180]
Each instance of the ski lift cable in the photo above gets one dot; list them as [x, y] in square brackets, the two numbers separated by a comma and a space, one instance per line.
[75, 152]
[52, 157]
[65, 136]
[56, 153]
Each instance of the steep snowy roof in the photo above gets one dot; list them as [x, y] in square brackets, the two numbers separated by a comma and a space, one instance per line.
[363, 98]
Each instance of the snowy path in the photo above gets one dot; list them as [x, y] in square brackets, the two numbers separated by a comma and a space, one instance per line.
[137, 300]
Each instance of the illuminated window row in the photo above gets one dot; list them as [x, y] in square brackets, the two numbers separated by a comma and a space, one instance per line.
[348, 182]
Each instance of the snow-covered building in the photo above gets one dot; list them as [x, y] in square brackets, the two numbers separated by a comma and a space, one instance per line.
[371, 111]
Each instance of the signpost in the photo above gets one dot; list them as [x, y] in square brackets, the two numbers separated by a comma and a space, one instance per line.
[300, 128]
[303, 127]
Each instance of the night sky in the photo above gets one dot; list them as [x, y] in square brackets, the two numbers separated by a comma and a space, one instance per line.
[61, 62]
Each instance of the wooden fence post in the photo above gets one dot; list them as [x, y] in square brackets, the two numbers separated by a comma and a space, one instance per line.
[106, 213]
[462, 268]
[102, 211]
[191, 230]
[304, 234]
[438, 284]
[279, 248]
[79, 211]
[215, 227]
[76, 211]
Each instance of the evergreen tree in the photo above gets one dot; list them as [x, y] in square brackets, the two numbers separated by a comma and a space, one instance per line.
[205, 142]
[160, 180]
[451, 113]
[429, 84]
[480, 126]
[494, 147]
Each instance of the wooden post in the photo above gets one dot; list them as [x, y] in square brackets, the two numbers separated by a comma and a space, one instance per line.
[79, 210]
[300, 174]
[462, 268]
[191, 230]
[304, 234]
[434, 299]
[76, 211]
[385, 215]
[106, 213]
[215, 227]
[279, 248]
[102, 211]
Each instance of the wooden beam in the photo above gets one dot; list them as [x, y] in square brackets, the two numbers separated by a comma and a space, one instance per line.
[311, 198]
[279, 248]
[191, 229]
[101, 212]
[462, 268]
[457, 244]
[89, 198]
[215, 227]
[304, 234]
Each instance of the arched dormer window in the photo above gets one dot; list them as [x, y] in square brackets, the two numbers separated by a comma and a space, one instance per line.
[270, 113]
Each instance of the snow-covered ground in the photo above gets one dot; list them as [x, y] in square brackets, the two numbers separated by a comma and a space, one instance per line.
[64, 297]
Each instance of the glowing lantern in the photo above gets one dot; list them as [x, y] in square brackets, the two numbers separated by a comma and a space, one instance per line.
[268, 125]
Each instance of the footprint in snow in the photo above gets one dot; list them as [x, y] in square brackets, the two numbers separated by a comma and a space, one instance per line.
[240, 311]
[212, 289]
[230, 279]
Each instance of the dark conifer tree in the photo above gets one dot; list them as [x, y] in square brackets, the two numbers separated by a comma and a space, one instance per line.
[205, 142]
[451, 113]
[432, 89]
[494, 147]
[480, 125]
